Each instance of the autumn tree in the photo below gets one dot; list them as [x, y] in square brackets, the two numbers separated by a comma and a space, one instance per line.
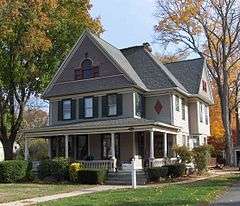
[210, 28]
[35, 36]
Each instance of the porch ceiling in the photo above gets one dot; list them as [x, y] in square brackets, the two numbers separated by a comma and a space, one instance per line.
[102, 126]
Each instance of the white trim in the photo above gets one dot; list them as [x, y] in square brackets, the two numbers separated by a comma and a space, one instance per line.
[66, 146]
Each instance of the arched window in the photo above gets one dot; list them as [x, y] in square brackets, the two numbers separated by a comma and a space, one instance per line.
[87, 70]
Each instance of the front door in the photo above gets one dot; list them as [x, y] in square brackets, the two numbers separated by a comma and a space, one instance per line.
[81, 147]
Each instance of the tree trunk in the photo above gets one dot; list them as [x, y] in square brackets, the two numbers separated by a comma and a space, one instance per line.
[8, 148]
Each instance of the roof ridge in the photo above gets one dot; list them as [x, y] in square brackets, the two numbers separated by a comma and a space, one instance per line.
[131, 47]
[185, 60]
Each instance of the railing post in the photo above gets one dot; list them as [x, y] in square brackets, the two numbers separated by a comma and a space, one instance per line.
[165, 144]
[113, 151]
[151, 144]
[134, 175]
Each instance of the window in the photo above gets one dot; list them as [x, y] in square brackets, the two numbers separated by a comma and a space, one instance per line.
[184, 139]
[112, 104]
[204, 86]
[206, 114]
[177, 102]
[67, 104]
[183, 109]
[201, 111]
[88, 107]
[86, 71]
[138, 104]
[195, 141]
[106, 146]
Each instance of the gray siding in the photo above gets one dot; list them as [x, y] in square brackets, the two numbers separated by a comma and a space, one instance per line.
[165, 114]
[127, 110]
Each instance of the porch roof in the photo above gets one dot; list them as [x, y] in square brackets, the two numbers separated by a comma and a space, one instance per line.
[101, 126]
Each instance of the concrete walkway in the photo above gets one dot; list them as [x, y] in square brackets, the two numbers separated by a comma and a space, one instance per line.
[36, 200]
[230, 198]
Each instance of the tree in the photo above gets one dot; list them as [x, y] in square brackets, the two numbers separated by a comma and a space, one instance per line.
[209, 28]
[35, 36]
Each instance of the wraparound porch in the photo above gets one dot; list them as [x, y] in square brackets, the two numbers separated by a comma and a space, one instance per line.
[111, 146]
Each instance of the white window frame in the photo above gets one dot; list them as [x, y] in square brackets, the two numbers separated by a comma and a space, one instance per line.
[112, 104]
[206, 115]
[177, 103]
[67, 109]
[88, 107]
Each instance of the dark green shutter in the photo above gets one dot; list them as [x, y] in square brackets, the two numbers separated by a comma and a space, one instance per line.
[73, 109]
[60, 110]
[119, 104]
[95, 107]
[143, 106]
[81, 109]
[104, 106]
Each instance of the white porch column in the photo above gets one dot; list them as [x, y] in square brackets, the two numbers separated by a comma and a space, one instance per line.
[50, 148]
[165, 144]
[66, 146]
[26, 151]
[134, 143]
[89, 145]
[151, 144]
[113, 145]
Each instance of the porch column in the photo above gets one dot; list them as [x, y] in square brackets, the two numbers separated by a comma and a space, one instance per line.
[66, 146]
[26, 151]
[151, 144]
[50, 148]
[134, 144]
[113, 145]
[165, 144]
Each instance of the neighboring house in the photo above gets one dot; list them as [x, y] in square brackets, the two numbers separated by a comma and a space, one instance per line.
[16, 148]
[108, 105]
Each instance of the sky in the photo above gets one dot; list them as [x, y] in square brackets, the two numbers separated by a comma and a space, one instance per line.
[126, 22]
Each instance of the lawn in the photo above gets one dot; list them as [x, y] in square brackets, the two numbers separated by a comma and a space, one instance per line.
[201, 192]
[12, 192]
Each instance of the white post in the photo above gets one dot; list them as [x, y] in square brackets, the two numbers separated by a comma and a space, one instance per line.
[66, 146]
[165, 144]
[26, 151]
[151, 144]
[134, 144]
[113, 151]
[89, 145]
[49, 148]
[134, 175]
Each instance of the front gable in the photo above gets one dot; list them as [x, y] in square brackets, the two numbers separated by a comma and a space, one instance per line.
[87, 48]
[205, 89]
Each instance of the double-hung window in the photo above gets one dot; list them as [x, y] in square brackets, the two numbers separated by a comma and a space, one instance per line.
[201, 111]
[138, 105]
[196, 142]
[206, 114]
[183, 109]
[67, 107]
[112, 104]
[88, 107]
[177, 102]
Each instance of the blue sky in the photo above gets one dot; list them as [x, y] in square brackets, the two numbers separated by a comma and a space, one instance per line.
[126, 22]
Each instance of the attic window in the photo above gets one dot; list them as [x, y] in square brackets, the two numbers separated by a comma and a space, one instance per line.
[204, 86]
[87, 70]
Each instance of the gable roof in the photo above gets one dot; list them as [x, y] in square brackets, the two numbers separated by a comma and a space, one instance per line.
[153, 73]
[188, 73]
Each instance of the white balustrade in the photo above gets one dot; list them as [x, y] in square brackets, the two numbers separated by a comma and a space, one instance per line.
[99, 164]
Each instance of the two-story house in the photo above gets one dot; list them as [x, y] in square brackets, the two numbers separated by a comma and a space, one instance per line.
[107, 105]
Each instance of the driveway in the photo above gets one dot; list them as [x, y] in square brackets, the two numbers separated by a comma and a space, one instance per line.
[230, 198]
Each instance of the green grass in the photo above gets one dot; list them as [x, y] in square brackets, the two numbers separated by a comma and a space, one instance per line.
[12, 192]
[201, 192]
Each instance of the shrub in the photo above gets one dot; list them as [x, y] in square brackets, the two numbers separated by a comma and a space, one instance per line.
[38, 149]
[13, 171]
[44, 169]
[201, 157]
[92, 176]
[73, 171]
[176, 170]
[60, 169]
[155, 173]
[184, 153]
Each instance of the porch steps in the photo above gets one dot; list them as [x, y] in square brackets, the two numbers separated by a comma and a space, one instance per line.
[125, 178]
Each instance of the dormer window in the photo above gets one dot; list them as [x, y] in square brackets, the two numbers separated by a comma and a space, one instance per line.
[87, 70]
[204, 86]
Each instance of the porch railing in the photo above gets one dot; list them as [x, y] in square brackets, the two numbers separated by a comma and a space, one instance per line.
[109, 165]
[159, 162]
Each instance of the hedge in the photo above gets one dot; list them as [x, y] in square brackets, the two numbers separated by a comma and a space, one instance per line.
[57, 168]
[155, 173]
[176, 170]
[86, 176]
[14, 171]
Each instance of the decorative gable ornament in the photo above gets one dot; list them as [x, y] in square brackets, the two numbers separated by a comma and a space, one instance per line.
[158, 107]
